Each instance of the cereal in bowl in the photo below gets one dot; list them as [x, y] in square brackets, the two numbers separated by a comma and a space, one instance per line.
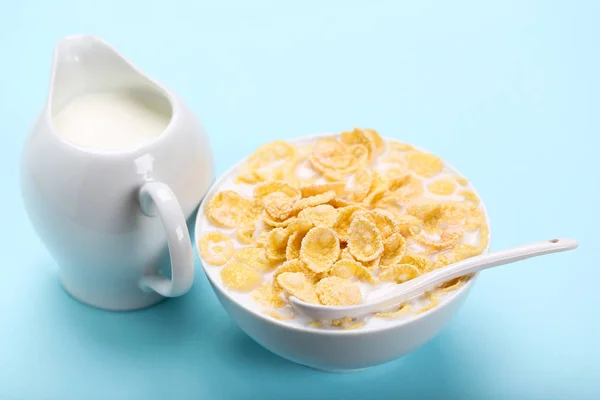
[335, 219]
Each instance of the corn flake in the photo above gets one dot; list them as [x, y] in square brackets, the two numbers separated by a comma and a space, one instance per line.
[255, 257]
[270, 187]
[423, 209]
[216, 248]
[312, 190]
[352, 325]
[344, 219]
[339, 202]
[400, 147]
[286, 317]
[470, 196]
[295, 265]
[484, 237]
[313, 201]
[467, 249]
[360, 157]
[372, 265]
[228, 209]
[276, 244]
[278, 206]
[393, 250]
[376, 139]
[452, 284]
[363, 179]
[378, 189]
[334, 291]
[462, 181]
[294, 243]
[399, 273]
[347, 268]
[245, 234]
[410, 189]
[335, 176]
[321, 215]
[358, 137]
[299, 225]
[246, 175]
[240, 277]
[409, 225]
[330, 155]
[424, 164]
[344, 268]
[434, 300]
[385, 222]
[345, 255]
[442, 187]
[447, 240]
[320, 249]
[364, 240]
[270, 221]
[432, 226]
[298, 285]
[420, 262]
[405, 308]
[346, 323]
[447, 258]
[267, 296]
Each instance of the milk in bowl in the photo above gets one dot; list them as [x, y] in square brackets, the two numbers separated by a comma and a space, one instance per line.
[336, 220]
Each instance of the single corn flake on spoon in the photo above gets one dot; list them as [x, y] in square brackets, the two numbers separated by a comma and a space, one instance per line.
[416, 287]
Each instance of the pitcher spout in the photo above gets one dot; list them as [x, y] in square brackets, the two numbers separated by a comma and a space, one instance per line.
[83, 64]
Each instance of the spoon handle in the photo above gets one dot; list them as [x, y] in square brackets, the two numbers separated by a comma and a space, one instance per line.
[421, 284]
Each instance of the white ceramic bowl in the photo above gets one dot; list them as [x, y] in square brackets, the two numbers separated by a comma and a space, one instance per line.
[335, 350]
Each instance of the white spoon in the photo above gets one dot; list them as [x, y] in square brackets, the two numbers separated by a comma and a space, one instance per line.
[425, 282]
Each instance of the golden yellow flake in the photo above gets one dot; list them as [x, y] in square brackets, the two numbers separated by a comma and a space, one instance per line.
[267, 296]
[240, 277]
[334, 291]
[403, 309]
[228, 209]
[364, 240]
[442, 187]
[344, 219]
[399, 273]
[245, 234]
[216, 248]
[255, 257]
[264, 189]
[276, 244]
[298, 285]
[434, 300]
[424, 164]
[320, 249]
[321, 215]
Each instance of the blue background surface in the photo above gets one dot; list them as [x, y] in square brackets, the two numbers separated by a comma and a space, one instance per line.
[508, 92]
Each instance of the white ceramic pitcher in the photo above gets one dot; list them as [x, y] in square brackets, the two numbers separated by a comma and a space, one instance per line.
[111, 218]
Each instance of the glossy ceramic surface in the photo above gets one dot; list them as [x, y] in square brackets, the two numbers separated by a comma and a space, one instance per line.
[107, 216]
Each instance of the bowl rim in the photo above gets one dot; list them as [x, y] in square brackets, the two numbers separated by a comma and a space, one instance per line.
[314, 330]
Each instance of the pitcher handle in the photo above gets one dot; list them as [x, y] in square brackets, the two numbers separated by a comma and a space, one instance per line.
[157, 198]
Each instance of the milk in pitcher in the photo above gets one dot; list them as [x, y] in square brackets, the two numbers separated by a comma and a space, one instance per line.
[119, 120]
